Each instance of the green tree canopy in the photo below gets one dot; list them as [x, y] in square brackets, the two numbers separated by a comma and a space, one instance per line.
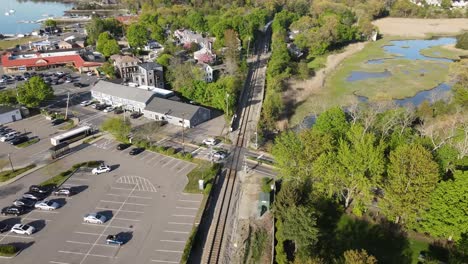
[50, 23]
[8, 97]
[137, 35]
[462, 41]
[412, 176]
[358, 257]
[332, 121]
[107, 45]
[447, 215]
[34, 91]
[300, 227]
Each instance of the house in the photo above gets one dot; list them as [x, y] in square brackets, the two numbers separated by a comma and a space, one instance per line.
[120, 95]
[207, 72]
[125, 65]
[35, 61]
[176, 113]
[9, 114]
[80, 43]
[64, 45]
[41, 45]
[152, 45]
[204, 56]
[149, 74]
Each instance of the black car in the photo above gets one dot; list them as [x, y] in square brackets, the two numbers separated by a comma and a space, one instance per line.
[42, 189]
[23, 202]
[123, 146]
[35, 196]
[101, 107]
[4, 227]
[12, 210]
[80, 85]
[135, 115]
[136, 151]
[118, 111]
[57, 121]
[19, 140]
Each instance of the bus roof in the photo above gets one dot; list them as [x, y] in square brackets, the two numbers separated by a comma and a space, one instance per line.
[72, 132]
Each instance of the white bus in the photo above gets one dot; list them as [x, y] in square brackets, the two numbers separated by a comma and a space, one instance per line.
[71, 136]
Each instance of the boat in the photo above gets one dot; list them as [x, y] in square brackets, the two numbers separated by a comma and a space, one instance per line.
[12, 11]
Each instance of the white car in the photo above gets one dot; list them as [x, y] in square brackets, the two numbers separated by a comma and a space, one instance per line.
[85, 103]
[219, 155]
[209, 141]
[47, 205]
[94, 218]
[9, 136]
[60, 73]
[109, 109]
[89, 73]
[23, 229]
[101, 169]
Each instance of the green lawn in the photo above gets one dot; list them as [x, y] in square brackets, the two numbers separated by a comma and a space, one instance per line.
[442, 52]
[11, 43]
[206, 171]
[28, 143]
[7, 175]
[407, 78]
[416, 248]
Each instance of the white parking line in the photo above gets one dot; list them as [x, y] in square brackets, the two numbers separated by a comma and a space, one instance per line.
[118, 188]
[150, 160]
[79, 253]
[58, 262]
[164, 261]
[78, 179]
[15, 236]
[176, 232]
[141, 197]
[170, 251]
[126, 211]
[177, 215]
[126, 219]
[148, 155]
[177, 164]
[170, 162]
[188, 201]
[112, 226]
[105, 201]
[45, 211]
[172, 241]
[176, 223]
[86, 233]
[30, 218]
[163, 159]
[188, 208]
[183, 168]
[85, 243]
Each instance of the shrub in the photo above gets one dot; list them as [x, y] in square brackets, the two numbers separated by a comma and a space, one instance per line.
[207, 189]
[7, 250]
[266, 184]
[462, 41]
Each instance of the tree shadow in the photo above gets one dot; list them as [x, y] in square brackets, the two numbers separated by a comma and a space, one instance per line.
[79, 189]
[21, 245]
[114, 167]
[125, 237]
[38, 225]
[61, 201]
[386, 241]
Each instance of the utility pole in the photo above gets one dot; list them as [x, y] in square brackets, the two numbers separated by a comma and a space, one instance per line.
[68, 101]
[227, 116]
[256, 138]
[248, 47]
[11, 163]
[183, 136]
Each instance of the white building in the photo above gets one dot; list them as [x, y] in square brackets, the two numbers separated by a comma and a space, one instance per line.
[9, 114]
[132, 99]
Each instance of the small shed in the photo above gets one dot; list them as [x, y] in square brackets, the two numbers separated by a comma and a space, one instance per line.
[263, 203]
[9, 114]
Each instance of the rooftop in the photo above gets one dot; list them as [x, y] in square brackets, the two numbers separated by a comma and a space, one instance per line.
[122, 91]
[150, 66]
[172, 108]
[46, 59]
[124, 58]
[6, 109]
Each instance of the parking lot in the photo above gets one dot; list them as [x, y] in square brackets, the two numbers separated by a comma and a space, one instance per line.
[141, 197]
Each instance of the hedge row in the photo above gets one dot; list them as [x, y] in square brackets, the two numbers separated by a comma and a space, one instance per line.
[168, 151]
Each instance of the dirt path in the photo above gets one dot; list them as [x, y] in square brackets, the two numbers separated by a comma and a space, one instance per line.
[299, 90]
[419, 27]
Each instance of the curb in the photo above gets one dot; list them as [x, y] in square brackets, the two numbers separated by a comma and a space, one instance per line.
[23, 174]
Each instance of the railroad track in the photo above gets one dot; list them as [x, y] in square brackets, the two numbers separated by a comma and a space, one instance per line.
[216, 237]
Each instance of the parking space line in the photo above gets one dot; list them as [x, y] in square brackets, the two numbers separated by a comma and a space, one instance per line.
[57, 262]
[111, 226]
[177, 215]
[172, 241]
[126, 219]
[45, 211]
[86, 233]
[183, 168]
[78, 179]
[164, 261]
[169, 162]
[188, 201]
[146, 156]
[188, 208]
[176, 223]
[118, 188]
[79, 253]
[150, 160]
[141, 197]
[126, 211]
[138, 204]
[177, 164]
[176, 232]
[113, 194]
[169, 251]
[86, 243]
[163, 159]
[15, 236]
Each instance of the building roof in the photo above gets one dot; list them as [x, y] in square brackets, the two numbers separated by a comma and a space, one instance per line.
[149, 66]
[172, 108]
[122, 91]
[46, 59]
[6, 109]
[62, 43]
[124, 59]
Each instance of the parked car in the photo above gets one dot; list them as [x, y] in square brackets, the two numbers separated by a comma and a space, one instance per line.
[9, 136]
[12, 210]
[135, 115]
[136, 151]
[94, 218]
[118, 111]
[19, 140]
[80, 85]
[64, 191]
[23, 229]
[4, 227]
[101, 169]
[123, 146]
[89, 73]
[114, 239]
[24, 203]
[109, 109]
[86, 103]
[100, 106]
[42, 189]
[47, 205]
[209, 141]
[34, 196]
[59, 73]
[57, 121]
[220, 155]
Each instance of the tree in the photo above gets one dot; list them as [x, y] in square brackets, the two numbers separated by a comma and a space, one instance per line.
[462, 41]
[446, 4]
[353, 169]
[358, 257]
[137, 35]
[108, 69]
[95, 27]
[50, 23]
[332, 121]
[196, 21]
[447, 215]
[232, 44]
[107, 45]
[34, 91]
[8, 97]
[286, 151]
[118, 128]
[300, 226]
[164, 60]
[412, 175]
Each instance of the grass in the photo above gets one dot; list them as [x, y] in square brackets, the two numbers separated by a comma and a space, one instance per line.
[7, 175]
[257, 245]
[69, 125]
[189, 244]
[406, 80]
[442, 52]
[11, 43]
[205, 171]
[8, 250]
[318, 62]
[28, 143]
[416, 248]
[63, 176]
